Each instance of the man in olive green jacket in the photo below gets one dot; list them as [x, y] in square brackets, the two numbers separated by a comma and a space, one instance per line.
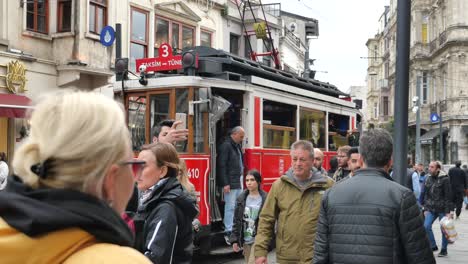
[294, 202]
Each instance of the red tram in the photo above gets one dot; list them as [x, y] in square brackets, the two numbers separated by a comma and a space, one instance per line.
[222, 91]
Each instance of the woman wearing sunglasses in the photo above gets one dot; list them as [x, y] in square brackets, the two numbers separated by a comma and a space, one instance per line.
[74, 179]
[163, 224]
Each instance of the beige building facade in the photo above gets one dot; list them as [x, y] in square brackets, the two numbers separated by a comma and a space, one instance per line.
[56, 44]
[438, 67]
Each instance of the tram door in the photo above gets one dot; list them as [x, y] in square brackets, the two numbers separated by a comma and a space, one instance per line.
[231, 118]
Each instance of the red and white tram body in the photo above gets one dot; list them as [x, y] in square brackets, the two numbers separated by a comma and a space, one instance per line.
[274, 114]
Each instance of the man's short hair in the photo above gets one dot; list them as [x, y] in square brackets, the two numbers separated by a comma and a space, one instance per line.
[305, 145]
[458, 163]
[157, 128]
[344, 149]
[351, 151]
[438, 164]
[318, 151]
[236, 129]
[376, 147]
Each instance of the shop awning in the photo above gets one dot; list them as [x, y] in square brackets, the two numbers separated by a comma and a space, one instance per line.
[431, 134]
[13, 105]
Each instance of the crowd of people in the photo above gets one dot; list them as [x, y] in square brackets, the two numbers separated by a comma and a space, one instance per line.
[76, 194]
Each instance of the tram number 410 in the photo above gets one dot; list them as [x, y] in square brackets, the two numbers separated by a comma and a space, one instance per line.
[194, 173]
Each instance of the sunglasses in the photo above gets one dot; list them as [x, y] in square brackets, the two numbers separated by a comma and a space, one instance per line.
[136, 164]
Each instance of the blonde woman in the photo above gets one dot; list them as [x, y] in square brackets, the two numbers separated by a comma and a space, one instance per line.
[163, 224]
[74, 179]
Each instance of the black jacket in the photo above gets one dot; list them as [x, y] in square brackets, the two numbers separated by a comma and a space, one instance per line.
[37, 212]
[369, 218]
[437, 194]
[237, 235]
[229, 164]
[163, 224]
[457, 179]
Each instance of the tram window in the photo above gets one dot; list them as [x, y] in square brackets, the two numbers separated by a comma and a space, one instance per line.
[182, 114]
[338, 127]
[279, 126]
[200, 122]
[312, 127]
[137, 120]
[159, 110]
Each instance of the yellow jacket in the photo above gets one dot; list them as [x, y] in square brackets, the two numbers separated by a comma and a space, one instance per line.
[68, 246]
[296, 211]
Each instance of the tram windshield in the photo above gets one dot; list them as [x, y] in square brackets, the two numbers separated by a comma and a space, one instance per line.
[147, 109]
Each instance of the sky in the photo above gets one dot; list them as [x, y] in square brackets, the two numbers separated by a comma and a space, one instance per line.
[344, 28]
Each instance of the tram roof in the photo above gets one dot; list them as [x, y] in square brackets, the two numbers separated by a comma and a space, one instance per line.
[219, 63]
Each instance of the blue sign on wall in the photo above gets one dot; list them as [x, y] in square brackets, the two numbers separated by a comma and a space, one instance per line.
[435, 118]
[107, 36]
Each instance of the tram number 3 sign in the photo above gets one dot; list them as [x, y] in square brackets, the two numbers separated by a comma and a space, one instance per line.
[165, 62]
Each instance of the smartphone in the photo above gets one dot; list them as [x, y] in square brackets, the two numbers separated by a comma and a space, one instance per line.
[183, 118]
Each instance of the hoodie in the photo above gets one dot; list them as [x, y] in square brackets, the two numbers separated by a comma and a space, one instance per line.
[58, 225]
[164, 223]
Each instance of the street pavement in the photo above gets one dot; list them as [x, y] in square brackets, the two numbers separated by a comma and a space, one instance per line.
[457, 252]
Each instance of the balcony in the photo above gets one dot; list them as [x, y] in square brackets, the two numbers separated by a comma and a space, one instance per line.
[293, 38]
[383, 84]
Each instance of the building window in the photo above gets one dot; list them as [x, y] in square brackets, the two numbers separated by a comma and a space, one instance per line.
[97, 15]
[247, 46]
[206, 39]
[376, 113]
[139, 36]
[266, 60]
[177, 34]
[385, 105]
[162, 34]
[234, 44]
[444, 80]
[424, 26]
[37, 16]
[187, 37]
[387, 69]
[64, 13]
[425, 87]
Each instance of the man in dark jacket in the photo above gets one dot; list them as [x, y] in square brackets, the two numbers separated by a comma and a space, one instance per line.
[459, 185]
[437, 202]
[369, 218]
[230, 168]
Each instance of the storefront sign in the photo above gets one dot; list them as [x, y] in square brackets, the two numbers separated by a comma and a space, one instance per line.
[15, 77]
[165, 62]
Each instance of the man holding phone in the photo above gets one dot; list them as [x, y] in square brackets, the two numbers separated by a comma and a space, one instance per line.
[167, 131]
